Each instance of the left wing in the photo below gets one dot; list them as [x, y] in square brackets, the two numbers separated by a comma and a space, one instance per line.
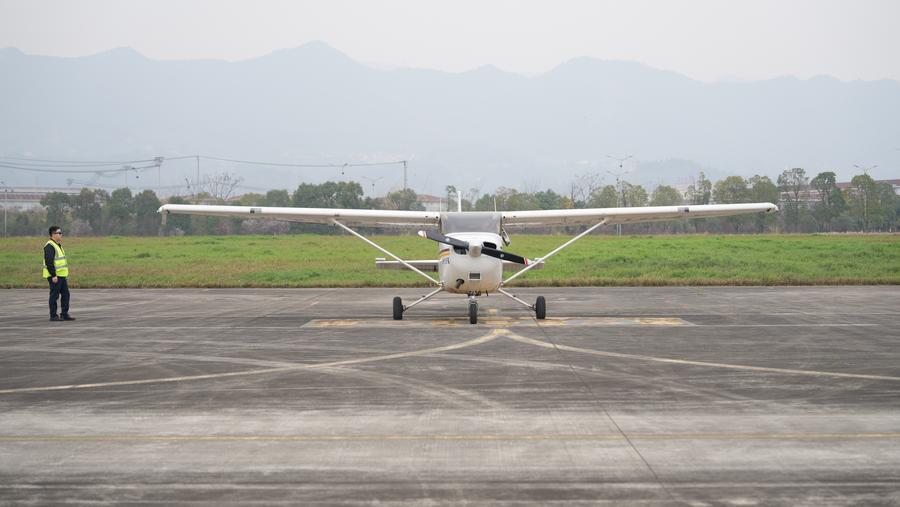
[590, 216]
[369, 217]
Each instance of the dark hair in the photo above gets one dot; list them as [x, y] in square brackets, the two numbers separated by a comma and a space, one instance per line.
[54, 229]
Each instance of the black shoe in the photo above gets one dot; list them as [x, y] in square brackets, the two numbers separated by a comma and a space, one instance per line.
[54, 318]
[66, 317]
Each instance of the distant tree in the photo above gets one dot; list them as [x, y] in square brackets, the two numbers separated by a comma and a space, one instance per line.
[548, 199]
[792, 183]
[278, 198]
[57, 205]
[606, 197]
[88, 206]
[147, 220]
[342, 194]
[582, 187]
[485, 203]
[701, 191]
[221, 186]
[120, 211]
[175, 223]
[405, 199]
[864, 202]
[731, 190]
[251, 199]
[27, 222]
[665, 195]
[633, 195]
[763, 190]
[831, 201]
[889, 203]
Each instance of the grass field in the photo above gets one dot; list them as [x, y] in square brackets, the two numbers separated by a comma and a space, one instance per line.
[343, 261]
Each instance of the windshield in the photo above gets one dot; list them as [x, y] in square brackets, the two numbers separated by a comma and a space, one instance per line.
[470, 222]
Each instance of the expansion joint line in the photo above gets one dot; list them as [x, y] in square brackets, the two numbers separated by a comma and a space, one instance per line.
[615, 424]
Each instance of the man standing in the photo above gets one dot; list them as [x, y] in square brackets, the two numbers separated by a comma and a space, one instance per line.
[56, 271]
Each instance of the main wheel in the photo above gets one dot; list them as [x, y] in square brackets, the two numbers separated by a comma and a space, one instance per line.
[540, 308]
[473, 313]
[398, 308]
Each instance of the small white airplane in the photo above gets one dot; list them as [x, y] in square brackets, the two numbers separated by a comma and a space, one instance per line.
[471, 259]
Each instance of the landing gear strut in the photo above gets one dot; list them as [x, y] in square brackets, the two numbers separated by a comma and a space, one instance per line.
[398, 303]
[539, 307]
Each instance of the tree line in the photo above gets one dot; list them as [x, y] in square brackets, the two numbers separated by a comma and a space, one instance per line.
[814, 204]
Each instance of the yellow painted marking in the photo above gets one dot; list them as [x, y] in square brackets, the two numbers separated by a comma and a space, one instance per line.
[476, 437]
[337, 323]
[477, 341]
[655, 321]
[784, 371]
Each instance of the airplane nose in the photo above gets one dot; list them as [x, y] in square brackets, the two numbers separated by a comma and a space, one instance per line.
[474, 250]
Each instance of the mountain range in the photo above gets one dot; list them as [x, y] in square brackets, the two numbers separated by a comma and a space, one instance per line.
[483, 128]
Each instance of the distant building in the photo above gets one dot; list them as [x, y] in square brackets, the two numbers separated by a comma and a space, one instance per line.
[432, 203]
[811, 195]
[29, 197]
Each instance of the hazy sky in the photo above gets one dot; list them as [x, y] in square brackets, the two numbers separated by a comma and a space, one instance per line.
[704, 39]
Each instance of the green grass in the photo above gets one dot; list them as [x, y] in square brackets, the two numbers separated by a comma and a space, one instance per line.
[343, 261]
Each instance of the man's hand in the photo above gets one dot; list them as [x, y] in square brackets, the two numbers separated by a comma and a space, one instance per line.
[55, 279]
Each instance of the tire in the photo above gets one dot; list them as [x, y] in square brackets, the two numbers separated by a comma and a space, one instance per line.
[540, 308]
[473, 313]
[398, 308]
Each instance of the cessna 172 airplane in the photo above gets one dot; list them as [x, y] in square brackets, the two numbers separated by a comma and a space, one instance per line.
[471, 259]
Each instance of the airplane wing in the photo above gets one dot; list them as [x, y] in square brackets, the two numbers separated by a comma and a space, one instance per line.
[310, 215]
[590, 216]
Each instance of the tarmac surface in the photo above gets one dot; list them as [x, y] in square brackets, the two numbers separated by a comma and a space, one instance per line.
[660, 396]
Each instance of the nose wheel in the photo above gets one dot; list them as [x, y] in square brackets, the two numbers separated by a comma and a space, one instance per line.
[473, 311]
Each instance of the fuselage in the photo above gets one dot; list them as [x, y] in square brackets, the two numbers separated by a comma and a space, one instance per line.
[469, 272]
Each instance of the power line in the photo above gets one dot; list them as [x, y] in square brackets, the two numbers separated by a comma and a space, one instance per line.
[52, 166]
[97, 171]
[70, 163]
[315, 166]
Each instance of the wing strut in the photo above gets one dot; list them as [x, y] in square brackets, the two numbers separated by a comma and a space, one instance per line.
[540, 260]
[401, 261]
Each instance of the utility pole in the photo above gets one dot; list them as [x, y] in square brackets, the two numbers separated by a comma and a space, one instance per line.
[157, 161]
[404, 175]
[197, 181]
[620, 189]
[6, 191]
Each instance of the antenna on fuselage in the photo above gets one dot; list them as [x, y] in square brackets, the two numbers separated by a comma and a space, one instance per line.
[459, 201]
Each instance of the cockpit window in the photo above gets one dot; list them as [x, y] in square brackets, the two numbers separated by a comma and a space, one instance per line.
[470, 222]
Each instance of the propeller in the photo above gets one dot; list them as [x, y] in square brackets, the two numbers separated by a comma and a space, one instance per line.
[490, 252]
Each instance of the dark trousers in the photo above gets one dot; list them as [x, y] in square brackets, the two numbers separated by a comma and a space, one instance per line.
[60, 288]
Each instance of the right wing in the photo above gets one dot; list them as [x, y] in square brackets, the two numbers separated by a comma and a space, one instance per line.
[363, 217]
[590, 216]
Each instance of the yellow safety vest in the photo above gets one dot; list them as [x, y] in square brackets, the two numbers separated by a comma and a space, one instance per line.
[59, 261]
